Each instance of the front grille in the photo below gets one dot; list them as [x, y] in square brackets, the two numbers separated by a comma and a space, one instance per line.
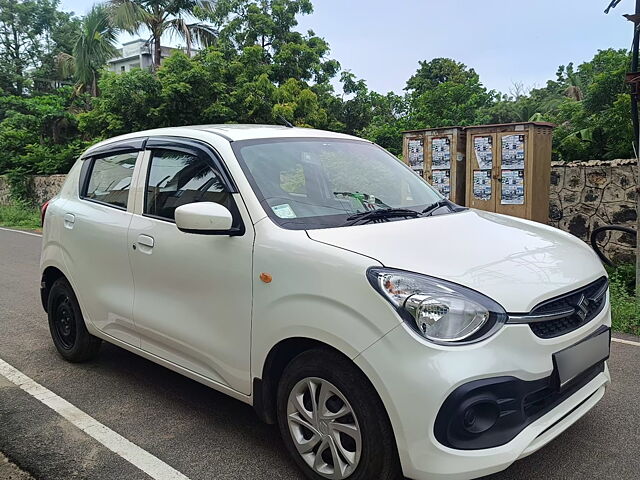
[567, 312]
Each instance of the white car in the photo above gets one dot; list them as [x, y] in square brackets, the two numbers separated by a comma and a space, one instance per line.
[387, 331]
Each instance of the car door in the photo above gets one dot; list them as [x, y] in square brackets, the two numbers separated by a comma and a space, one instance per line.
[192, 302]
[94, 240]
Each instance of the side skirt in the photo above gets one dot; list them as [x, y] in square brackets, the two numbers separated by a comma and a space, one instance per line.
[176, 368]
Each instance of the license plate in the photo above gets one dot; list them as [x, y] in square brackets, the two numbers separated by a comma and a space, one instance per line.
[572, 361]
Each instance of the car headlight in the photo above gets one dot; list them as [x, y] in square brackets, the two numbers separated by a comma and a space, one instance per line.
[442, 312]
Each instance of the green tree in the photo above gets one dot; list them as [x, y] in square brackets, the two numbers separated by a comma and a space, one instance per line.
[604, 79]
[94, 45]
[38, 134]
[521, 106]
[444, 92]
[438, 71]
[195, 90]
[390, 118]
[451, 103]
[617, 130]
[127, 103]
[274, 71]
[357, 111]
[59, 40]
[270, 24]
[299, 104]
[24, 25]
[164, 16]
[593, 124]
[267, 23]
[380, 118]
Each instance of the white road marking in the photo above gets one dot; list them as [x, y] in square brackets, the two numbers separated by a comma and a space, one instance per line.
[148, 463]
[626, 342]
[20, 231]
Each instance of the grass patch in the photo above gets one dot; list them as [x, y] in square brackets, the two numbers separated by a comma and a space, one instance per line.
[20, 216]
[625, 307]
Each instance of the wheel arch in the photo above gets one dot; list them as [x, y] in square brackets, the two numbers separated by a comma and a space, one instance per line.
[49, 275]
[279, 356]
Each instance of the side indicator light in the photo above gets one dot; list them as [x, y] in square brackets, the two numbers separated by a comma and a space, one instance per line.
[265, 277]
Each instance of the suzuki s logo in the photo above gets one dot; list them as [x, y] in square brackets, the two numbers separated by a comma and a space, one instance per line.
[582, 307]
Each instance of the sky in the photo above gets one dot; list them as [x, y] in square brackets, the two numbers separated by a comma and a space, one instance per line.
[505, 41]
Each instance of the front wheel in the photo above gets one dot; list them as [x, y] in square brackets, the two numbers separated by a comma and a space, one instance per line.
[66, 324]
[332, 421]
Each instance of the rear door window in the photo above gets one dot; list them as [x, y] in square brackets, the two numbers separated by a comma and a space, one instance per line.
[110, 179]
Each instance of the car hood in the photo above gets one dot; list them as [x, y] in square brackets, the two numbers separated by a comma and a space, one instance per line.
[516, 262]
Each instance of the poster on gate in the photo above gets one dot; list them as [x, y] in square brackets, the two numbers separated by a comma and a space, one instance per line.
[513, 152]
[442, 182]
[483, 148]
[416, 153]
[441, 153]
[482, 184]
[512, 187]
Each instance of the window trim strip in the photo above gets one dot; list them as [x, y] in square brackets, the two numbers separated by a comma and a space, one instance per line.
[136, 144]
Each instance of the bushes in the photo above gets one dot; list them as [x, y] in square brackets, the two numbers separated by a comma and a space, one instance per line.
[20, 216]
[44, 122]
[38, 135]
[625, 308]
[127, 104]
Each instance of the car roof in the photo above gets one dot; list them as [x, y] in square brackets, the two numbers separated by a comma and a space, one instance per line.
[237, 132]
[231, 132]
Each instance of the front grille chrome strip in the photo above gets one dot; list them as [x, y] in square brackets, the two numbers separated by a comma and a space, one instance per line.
[600, 293]
[545, 317]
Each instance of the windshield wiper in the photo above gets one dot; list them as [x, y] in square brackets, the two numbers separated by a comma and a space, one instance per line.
[434, 206]
[453, 207]
[382, 214]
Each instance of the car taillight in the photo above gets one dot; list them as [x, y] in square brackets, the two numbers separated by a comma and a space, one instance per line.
[43, 212]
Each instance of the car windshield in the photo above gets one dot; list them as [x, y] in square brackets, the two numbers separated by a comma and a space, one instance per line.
[320, 183]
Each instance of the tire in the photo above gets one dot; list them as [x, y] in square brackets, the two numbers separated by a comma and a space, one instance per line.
[346, 400]
[66, 324]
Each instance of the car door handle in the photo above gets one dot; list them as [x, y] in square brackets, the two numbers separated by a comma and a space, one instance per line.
[69, 220]
[145, 240]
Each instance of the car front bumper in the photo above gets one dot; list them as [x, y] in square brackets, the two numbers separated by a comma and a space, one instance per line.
[414, 377]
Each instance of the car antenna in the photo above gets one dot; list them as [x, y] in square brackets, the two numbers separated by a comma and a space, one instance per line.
[286, 122]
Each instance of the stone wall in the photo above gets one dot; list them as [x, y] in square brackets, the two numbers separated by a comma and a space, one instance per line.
[4, 191]
[587, 195]
[42, 188]
[46, 186]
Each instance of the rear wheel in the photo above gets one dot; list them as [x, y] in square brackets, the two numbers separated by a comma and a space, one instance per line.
[66, 324]
[332, 421]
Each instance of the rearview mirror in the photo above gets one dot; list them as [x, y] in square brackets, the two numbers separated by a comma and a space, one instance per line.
[206, 218]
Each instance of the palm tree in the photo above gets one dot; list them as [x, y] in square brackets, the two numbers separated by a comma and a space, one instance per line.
[575, 90]
[160, 16]
[94, 45]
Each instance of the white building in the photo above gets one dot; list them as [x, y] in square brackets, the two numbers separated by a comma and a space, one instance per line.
[139, 54]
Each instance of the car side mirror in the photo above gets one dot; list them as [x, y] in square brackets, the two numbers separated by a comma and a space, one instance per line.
[205, 218]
